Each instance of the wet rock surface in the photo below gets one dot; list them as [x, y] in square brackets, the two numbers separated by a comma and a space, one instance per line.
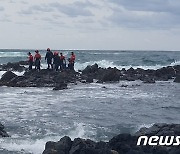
[8, 76]
[3, 133]
[17, 66]
[120, 144]
[58, 79]
[177, 79]
[147, 76]
[42, 78]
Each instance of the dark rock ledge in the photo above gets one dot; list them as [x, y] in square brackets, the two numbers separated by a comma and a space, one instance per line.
[59, 80]
[120, 144]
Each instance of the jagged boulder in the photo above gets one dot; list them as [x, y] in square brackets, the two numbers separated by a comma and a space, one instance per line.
[120, 144]
[17, 66]
[160, 129]
[110, 75]
[131, 71]
[7, 76]
[63, 146]
[90, 69]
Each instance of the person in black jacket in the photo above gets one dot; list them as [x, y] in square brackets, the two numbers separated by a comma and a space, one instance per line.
[49, 57]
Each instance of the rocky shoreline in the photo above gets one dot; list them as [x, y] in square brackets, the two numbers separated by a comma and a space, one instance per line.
[94, 73]
[120, 144]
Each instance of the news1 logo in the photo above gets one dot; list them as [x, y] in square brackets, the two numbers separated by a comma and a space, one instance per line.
[159, 140]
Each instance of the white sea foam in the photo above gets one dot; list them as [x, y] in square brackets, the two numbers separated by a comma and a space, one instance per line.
[12, 54]
[37, 146]
[175, 63]
[81, 130]
[26, 145]
[107, 63]
[102, 63]
[1, 73]
[144, 125]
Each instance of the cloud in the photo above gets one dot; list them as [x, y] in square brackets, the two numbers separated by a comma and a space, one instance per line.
[5, 20]
[141, 5]
[74, 9]
[1, 8]
[160, 14]
[24, 2]
[36, 9]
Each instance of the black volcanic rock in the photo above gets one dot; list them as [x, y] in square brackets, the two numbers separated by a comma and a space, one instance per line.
[110, 75]
[91, 69]
[42, 78]
[7, 76]
[17, 66]
[177, 79]
[51, 78]
[120, 144]
[3, 133]
[160, 129]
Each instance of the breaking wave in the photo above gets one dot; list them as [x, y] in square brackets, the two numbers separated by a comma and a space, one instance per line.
[107, 63]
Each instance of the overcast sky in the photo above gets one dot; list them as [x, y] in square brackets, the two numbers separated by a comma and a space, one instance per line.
[90, 24]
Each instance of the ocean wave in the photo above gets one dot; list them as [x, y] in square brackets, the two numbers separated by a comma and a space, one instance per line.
[107, 63]
[36, 146]
[175, 63]
[102, 63]
[12, 54]
[26, 145]
[81, 130]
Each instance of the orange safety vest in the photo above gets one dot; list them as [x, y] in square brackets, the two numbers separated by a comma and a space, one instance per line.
[30, 58]
[72, 59]
[62, 57]
[37, 56]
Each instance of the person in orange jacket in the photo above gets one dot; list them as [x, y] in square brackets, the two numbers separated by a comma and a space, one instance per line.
[62, 61]
[72, 61]
[37, 60]
[56, 60]
[30, 60]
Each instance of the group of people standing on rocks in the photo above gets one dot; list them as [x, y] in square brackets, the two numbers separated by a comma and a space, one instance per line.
[54, 60]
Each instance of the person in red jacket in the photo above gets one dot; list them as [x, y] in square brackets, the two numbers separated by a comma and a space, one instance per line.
[72, 61]
[30, 60]
[37, 60]
[56, 60]
[62, 61]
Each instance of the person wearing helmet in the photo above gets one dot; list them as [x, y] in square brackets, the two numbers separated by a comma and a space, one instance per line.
[48, 58]
[37, 60]
[62, 62]
[30, 60]
[56, 60]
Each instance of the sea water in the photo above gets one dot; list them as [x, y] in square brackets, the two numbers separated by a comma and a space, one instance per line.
[33, 116]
